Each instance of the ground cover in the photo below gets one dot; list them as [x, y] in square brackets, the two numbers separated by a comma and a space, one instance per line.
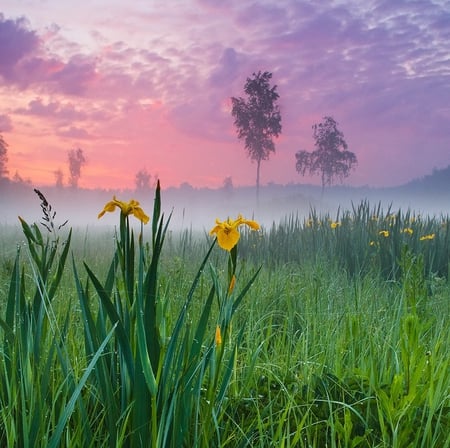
[318, 331]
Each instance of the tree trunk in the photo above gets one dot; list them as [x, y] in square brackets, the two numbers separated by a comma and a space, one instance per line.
[323, 186]
[258, 164]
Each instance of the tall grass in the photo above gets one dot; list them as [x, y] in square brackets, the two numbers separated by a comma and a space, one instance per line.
[340, 339]
[361, 240]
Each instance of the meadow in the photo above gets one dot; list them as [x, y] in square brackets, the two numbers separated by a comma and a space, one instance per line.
[317, 331]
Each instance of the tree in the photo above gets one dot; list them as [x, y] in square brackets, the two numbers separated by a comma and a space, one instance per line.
[330, 159]
[76, 161]
[59, 178]
[3, 157]
[228, 185]
[18, 179]
[258, 118]
[142, 180]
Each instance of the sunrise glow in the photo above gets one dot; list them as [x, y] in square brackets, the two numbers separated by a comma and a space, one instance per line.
[147, 85]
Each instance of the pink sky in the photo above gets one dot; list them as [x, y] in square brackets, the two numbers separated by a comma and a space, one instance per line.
[147, 84]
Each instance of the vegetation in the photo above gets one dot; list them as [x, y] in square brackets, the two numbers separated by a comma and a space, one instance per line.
[327, 331]
[142, 180]
[76, 160]
[330, 159]
[258, 118]
[3, 157]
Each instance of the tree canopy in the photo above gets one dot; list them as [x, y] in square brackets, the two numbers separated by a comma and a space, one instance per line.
[257, 118]
[76, 161]
[331, 158]
[142, 180]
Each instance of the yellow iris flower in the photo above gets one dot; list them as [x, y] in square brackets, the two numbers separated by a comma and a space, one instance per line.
[126, 208]
[384, 233]
[427, 237]
[227, 233]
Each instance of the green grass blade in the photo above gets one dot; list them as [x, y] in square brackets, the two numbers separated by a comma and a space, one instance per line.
[55, 440]
[123, 339]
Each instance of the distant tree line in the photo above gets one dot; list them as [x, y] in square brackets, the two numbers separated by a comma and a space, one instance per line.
[75, 157]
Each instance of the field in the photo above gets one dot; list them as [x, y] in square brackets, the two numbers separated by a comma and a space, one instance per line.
[310, 332]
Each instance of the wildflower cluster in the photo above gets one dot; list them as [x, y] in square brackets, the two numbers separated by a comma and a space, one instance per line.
[155, 358]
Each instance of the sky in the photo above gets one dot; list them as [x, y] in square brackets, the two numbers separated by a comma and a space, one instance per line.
[146, 84]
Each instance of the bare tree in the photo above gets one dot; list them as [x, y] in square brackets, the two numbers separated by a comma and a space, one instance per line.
[258, 118]
[76, 161]
[330, 159]
[3, 157]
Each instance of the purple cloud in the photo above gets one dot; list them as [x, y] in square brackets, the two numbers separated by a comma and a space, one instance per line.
[16, 43]
[380, 67]
[74, 132]
[227, 68]
[76, 75]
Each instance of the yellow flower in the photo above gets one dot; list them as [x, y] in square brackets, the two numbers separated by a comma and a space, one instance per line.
[384, 233]
[408, 230]
[126, 208]
[227, 233]
[392, 218]
[427, 237]
[218, 336]
[335, 224]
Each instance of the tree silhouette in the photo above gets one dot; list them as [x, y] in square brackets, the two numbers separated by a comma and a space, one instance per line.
[330, 159]
[142, 180]
[258, 119]
[227, 186]
[76, 161]
[3, 157]
[59, 178]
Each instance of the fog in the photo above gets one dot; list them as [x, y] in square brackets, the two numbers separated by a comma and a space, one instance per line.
[197, 209]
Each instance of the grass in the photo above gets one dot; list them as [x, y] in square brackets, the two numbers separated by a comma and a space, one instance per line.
[335, 334]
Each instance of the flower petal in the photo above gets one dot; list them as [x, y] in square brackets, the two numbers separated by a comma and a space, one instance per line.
[228, 238]
[126, 208]
[216, 228]
[139, 214]
[109, 207]
[252, 224]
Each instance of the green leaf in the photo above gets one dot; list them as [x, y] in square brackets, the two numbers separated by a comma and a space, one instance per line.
[123, 338]
[55, 440]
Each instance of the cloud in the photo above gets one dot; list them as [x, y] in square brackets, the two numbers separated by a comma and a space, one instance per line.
[16, 43]
[227, 68]
[380, 68]
[5, 123]
[53, 109]
[75, 77]
[74, 132]
[24, 62]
